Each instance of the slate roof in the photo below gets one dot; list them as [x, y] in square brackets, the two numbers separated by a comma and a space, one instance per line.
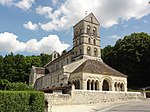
[97, 67]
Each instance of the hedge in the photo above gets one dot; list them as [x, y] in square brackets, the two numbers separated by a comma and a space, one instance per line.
[21, 101]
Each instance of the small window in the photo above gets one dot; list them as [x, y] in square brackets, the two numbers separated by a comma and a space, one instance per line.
[94, 31]
[94, 42]
[89, 41]
[88, 29]
[95, 51]
[88, 50]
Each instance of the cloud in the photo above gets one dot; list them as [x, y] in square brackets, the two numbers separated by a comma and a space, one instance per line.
[30, 26]
[59, 19]
[116, 37]
[107, 12]
[54, 2]
[6, 2]
[25, 4]
[22, 4]
[9, 43]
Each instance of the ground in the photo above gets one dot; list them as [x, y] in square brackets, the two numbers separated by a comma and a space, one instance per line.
[129, 106]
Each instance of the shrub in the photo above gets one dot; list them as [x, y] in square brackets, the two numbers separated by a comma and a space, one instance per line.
[19, 86]
[3, 83]
[21, 101]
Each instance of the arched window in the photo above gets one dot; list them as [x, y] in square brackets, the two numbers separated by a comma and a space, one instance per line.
[119, 89]
[96, 85]
[122, 87]
[94, 31]
[94, 42]
[88, 85]
[105, 85]
[92, 85]
[88, 50]
[115, 85]
[88, 29]
[95, 51]
[76, 84]
[89, 40]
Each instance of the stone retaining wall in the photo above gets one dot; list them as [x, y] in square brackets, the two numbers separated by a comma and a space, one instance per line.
[91, 97]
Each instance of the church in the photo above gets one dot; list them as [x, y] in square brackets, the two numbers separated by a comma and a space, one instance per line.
[81, 66]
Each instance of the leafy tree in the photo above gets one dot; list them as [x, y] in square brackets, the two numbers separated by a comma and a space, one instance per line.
[1, 67]
[131, 55]
[45, 58]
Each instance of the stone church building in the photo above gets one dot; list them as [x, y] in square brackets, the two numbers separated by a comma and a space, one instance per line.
[82, 66]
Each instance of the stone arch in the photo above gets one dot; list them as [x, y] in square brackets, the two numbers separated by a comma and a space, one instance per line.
[118, 86]
[92, 85]
[122, 88]
[115, 85]
[88, 84]
[76, 83]
[107, 84]
[96, 85]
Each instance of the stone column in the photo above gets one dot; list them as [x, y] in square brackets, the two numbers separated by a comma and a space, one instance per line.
[113, 87]
[100, 86]
[84, 85]
[89, 85]
[125, 87]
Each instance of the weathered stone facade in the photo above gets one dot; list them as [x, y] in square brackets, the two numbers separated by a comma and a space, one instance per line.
[82, 66]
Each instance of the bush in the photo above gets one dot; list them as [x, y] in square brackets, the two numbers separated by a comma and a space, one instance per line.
[19, 86]
[3, 83]
[21, 101]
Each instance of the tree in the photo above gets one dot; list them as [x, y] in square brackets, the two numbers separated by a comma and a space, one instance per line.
[131, 55]
[45, 58]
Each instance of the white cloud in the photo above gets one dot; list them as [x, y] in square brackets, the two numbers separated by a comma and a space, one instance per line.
[9, 43]
[30, 26]
[22, 4]
[108, 12]
[54, 2]
[6, 2]
[116, 37]
[25, 4]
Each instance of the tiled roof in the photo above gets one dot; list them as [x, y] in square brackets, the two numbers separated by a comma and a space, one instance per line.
[97, 67]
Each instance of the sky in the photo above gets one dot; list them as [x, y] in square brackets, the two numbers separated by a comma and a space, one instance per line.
[31, 27]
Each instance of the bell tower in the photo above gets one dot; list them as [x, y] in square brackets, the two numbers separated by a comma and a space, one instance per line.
[86, 41]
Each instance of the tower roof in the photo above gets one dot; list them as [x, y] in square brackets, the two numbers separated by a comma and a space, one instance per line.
[88, 19]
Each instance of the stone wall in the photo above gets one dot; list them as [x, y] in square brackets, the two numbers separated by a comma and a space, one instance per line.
[91, 97]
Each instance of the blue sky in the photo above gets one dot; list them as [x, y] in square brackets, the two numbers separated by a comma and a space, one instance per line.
[41, 26]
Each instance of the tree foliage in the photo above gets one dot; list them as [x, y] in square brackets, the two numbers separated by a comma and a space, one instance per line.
[16, 68]
[131, 56]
